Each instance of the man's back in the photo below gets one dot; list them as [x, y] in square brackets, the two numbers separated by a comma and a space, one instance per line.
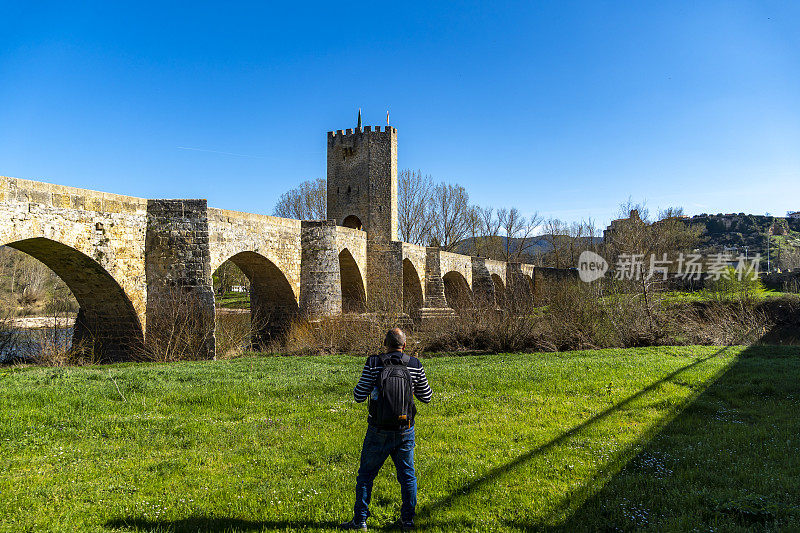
[370, 376]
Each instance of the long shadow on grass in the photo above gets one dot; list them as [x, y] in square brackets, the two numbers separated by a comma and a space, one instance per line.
[729, 461]
[206, 523]
[478, 483]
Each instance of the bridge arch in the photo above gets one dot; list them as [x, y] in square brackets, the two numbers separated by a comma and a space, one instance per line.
[412, 288]
[353, 294]
[457, 291]
[107, 324]
[499, 290]
[353, 222]
[272, 301]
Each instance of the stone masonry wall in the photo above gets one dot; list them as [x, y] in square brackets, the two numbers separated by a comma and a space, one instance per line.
[462, 264]
[108, 228]
[519, 290]
[385, 276]
[418, 257]
[95, 243]
[434, 286]
[355, 242]
[125, 257]
[276, 239]
[180, 295]
[482, 285]
[320, 277]
[362, 179]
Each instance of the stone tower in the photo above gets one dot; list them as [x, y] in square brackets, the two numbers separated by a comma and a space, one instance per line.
[362, 180]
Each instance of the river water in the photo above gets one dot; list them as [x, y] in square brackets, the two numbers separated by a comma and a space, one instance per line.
[20, 344]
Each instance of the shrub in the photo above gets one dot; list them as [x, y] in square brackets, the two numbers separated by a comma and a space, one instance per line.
[737, 285]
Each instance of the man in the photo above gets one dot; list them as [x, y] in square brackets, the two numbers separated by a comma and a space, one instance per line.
[390, 429]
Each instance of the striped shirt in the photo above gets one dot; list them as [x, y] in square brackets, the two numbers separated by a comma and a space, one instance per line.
[372, 370]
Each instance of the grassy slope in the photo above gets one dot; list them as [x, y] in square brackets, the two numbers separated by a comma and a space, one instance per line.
[511, 442]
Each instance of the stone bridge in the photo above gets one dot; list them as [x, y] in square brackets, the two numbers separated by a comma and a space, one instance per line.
[132, 262]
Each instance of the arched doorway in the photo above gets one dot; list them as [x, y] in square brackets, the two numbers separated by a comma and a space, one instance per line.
[353, 221]
[353, 295]
[272, 301]
[457, 291]
[499, 291]
[412, 288]
[107, 324]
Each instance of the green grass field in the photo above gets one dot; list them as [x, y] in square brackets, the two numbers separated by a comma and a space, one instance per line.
[684, 297]
[233, 300]
[666, 439]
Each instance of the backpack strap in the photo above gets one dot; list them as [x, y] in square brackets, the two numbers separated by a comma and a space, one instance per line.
[405, 359]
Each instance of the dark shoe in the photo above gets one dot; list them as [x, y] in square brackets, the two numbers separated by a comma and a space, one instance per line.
[407, 526]
[354, 525]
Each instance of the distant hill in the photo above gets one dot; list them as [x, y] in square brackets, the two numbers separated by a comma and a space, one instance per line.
[740, 231]
[537, 245]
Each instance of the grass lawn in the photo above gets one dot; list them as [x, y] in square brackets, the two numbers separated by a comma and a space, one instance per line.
[651, 438]
[683, 297]
[233, 300]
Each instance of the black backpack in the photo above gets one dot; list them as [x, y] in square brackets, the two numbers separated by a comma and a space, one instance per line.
[395, 404]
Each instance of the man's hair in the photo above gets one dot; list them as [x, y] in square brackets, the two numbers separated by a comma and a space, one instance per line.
[395, 338]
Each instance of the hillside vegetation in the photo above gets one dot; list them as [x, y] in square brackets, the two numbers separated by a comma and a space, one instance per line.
[752, 231]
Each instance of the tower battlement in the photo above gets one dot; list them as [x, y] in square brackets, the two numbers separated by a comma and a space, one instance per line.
[342, 135]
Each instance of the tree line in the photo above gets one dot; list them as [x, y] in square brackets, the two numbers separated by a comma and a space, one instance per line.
[435, 214]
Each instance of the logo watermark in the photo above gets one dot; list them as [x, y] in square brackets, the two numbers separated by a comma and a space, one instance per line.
[592, 266]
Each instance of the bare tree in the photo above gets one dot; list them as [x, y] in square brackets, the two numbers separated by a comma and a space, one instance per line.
[565, 242]
[647, 249]
[555, 234]
[671, 234]
[31, 277]
[519, 232]
[437, 214]
[790, 260]
[483, 230]
[450, 212]
[473, 232]
[307, 201]
[414, 192]
[635, 233]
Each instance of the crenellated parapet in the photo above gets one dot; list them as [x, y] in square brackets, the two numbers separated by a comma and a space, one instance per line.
[350, 134]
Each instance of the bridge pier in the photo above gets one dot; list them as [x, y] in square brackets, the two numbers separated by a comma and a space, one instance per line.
[435, 306]
[483, 287]
[519, 292]
[320, 276]
[180, 294]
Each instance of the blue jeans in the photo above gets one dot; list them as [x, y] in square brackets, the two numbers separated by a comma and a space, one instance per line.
[378, 445]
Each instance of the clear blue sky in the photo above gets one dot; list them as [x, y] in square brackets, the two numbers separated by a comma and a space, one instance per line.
[566, 108]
